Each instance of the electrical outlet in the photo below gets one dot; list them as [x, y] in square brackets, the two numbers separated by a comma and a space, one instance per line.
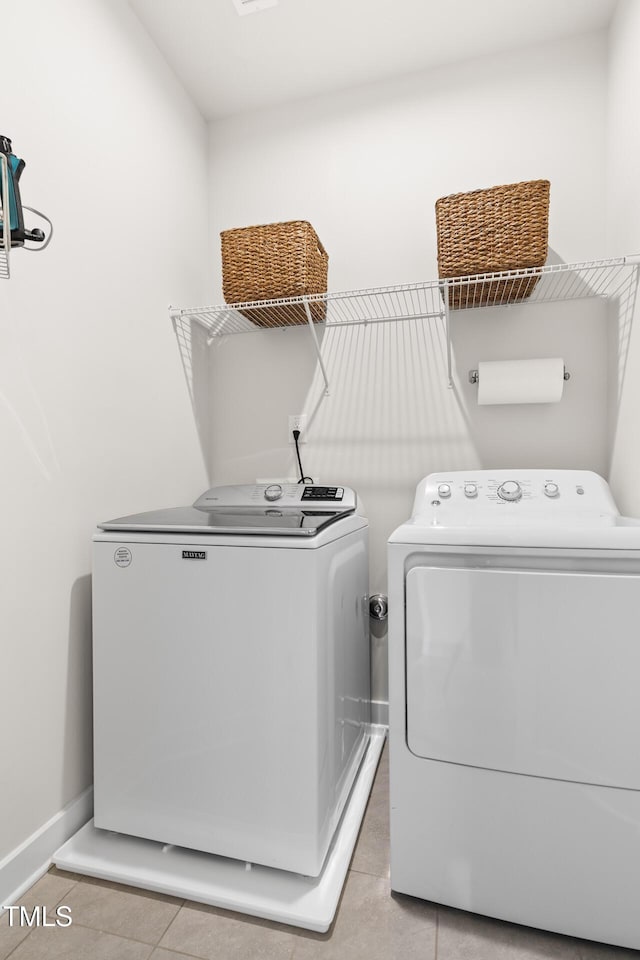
[298, 421]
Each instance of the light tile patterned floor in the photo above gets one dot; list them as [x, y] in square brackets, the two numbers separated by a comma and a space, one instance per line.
[113, 922]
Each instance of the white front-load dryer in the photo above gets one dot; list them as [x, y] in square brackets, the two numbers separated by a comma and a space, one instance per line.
[514, 601]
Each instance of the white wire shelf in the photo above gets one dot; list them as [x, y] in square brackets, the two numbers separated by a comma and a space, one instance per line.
[432, 299]
[564, 281]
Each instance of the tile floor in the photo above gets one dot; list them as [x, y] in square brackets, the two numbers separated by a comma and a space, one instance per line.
[113, 922]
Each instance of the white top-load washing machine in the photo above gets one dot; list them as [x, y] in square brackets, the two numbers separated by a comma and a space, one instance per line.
[514, 657]
[231, 671]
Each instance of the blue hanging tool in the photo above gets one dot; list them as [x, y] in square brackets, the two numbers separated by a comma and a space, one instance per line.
[19, 233]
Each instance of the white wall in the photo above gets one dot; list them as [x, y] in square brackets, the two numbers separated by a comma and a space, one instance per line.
[623, 229]
[95, 418]
[366, 168]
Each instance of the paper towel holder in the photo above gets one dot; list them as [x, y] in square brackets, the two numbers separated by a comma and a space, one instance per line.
[474, 376]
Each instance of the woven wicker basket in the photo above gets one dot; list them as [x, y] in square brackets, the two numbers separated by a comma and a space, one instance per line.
[485, 231]
[271, 262]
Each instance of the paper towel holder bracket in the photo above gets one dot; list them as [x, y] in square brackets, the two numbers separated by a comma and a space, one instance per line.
[474, 376]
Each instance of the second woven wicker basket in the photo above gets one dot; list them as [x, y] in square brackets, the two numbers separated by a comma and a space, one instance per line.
[489, 231]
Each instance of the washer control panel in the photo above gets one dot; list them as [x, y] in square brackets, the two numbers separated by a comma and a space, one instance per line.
[280, 494]
[483, 496]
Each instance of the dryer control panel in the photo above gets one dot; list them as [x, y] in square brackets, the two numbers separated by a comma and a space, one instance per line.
[486, 496]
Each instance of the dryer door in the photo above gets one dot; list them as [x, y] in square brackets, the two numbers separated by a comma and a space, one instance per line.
[525, 671]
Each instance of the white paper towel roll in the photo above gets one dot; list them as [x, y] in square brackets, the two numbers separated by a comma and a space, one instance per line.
[520, 381]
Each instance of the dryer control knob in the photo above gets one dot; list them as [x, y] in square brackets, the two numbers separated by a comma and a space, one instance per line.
[551, 489]
[273, 492]
[471, 489]
[510, 490]
[444, 490]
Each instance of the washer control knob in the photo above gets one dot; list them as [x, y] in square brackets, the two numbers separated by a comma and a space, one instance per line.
[551, 489]
[444, 490]
[471, 489]
[510, 490]
[273, 492]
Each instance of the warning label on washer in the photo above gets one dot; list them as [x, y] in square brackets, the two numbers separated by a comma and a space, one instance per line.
[122, 557]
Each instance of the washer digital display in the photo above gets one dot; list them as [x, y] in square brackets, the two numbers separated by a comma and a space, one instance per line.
[323, 493]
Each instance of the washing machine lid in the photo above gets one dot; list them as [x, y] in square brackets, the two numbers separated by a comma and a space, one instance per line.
[571, 509]
[291, 510]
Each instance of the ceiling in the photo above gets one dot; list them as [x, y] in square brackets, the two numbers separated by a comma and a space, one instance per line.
[301, 48]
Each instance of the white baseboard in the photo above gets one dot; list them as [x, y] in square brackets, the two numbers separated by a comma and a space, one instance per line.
[23, 866]
[380, 713]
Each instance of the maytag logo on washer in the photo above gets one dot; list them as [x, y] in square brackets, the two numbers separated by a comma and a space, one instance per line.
[194, 554]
